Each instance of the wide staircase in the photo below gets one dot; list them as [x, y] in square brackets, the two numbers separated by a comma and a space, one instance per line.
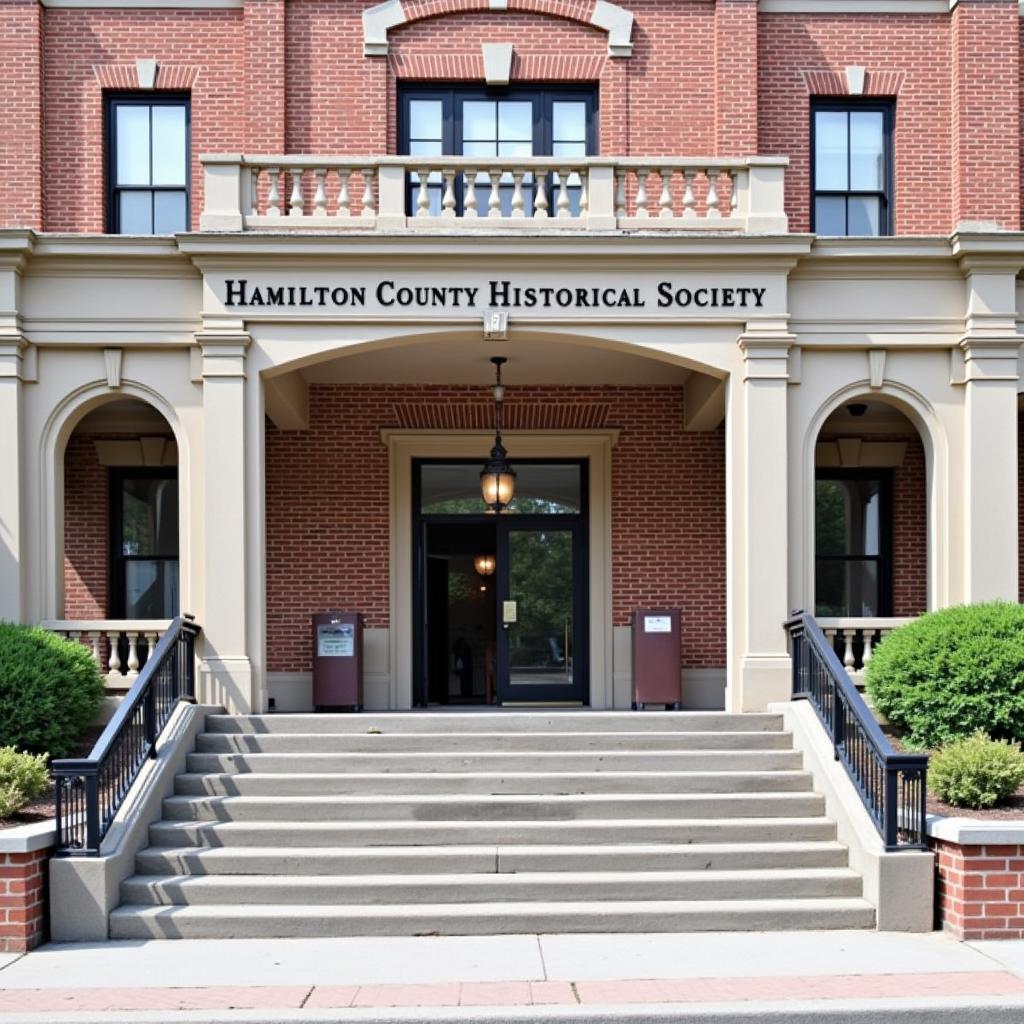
[490, 822]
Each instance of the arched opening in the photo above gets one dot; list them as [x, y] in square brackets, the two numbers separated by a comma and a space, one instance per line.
[121, 532]
[871, 524]
[350, 524]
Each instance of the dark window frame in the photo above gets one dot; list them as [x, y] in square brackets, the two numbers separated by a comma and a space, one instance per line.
[884, 558]
[116, 557]
[887, 108]
[112, 101]
[453, 96]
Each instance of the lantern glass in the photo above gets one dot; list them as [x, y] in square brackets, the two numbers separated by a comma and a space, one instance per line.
[498, 487]
[485, 565]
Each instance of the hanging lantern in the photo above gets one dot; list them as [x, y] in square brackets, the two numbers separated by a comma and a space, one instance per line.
[485, 564]
[498, 478]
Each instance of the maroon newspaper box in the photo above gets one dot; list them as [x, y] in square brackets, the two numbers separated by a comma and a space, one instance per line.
[656, 647]
[338, 660]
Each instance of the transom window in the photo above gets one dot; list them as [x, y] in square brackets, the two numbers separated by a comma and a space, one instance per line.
[852, 536]
[515, 122]
[852, 168]
[147, 165]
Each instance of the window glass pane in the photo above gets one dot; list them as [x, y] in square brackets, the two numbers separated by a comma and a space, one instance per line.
[168, 145]
[830, 150]
[864, 215]
[831, 513]
[151, 589]
[867, 148]
[568, 121]
[149, 516]
[569, 149]
[425, 147]
[169, 214]
[830, 215]
[846, 588]
[479, 148]
[515, 149]
[479, 120]
[540, 489]
[847, 517]
[515, 120]
[136, 213]
[132, 130]
[426, 119]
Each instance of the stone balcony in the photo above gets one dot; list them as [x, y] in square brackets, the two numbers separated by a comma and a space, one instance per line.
[454, 194]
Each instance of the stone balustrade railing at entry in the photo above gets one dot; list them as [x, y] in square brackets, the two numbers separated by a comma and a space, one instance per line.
[118, 646]
[854, 639]
[415, 193]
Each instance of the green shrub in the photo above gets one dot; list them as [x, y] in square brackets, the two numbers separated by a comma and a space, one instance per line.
[952, 672]
[50, 690]
[976, 772]
[23, 777]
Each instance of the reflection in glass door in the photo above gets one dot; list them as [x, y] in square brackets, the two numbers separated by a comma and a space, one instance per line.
[540, 608]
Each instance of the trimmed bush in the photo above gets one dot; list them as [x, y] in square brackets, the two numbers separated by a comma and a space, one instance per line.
[50, 690]
[23, 777]
[952, 672]
[976, 772]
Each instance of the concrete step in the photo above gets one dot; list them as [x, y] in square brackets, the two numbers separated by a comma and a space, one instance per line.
[576, 886]
[545, 761]
[318, 834]
[475, 807]
[131, 921]
[421, 860]
[454, 744]
[498, 720]
[323, 783]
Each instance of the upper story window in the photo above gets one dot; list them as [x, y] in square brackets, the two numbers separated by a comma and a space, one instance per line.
[513, 122]
[851, 145]
[147, 165]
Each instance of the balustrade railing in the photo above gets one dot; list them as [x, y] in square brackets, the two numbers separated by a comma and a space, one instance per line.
[447, 192]
[119, 646]
[854, 639]
[891, 785]
[90, 790]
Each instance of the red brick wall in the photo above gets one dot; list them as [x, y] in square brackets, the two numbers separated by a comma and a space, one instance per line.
[917, 49]
[23, 906]
[327, 503]
[1020, 505]
[206, 45]
[86, 531]
[910, 533]
[979, 890]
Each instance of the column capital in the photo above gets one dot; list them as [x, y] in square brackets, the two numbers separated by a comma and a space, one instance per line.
[12, 353]
[766, 346]
[991, 357]
[223, 351]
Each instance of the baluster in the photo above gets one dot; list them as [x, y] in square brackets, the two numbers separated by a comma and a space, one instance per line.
[295, 201]
[689, 200]
[469, 202]
[562, 203]
[423, 196]
[94, 645]
[584, 192]
[151, 638]
[665, 200]
[114, 636]
[712, 211]
[320, 199]
[734, 192]
[494, 199]
[620, 192]
[518, 203]
[369, 209]
[133, 654]
[344, 200]
[448, 200]
[540, 202]
[848, 635]
[274, 195]
[254, 191]
[641, 192]
[869, 636]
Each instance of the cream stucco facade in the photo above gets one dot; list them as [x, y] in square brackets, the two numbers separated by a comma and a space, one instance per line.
[928, 327]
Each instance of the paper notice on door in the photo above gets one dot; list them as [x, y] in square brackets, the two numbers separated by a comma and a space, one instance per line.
[508, 611]
[657, 624]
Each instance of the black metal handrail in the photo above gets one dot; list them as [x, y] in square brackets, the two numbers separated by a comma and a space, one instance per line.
[90, 790]
[891, 785]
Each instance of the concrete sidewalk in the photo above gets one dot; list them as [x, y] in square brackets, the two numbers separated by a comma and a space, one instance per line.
[795, 977]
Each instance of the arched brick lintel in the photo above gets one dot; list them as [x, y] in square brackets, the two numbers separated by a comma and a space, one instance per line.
[611, 18]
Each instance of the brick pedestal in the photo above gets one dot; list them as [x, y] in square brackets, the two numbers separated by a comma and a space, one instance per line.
[23, 904]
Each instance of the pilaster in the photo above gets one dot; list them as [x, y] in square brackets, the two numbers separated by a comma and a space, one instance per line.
[226, 671]
[757, 516]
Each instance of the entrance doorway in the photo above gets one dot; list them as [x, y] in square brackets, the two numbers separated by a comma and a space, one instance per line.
[500, 605]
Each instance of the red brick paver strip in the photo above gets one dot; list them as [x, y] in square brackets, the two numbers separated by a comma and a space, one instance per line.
[524, 993]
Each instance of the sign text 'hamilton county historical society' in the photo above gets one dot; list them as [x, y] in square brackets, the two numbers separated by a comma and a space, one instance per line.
[500, 294]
